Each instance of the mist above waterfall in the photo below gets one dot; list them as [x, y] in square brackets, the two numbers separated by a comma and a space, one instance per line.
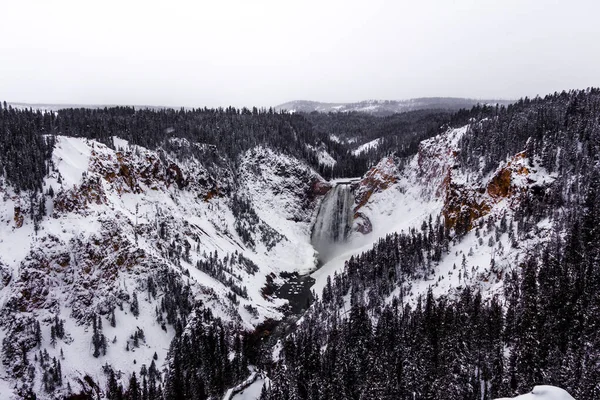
[333, 222]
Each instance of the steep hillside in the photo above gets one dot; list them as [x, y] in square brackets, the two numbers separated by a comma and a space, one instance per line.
[119, 229]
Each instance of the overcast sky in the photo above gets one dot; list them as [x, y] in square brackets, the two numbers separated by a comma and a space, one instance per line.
[259, 52]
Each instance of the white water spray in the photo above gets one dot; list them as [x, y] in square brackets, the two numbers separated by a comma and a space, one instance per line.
[334, 221]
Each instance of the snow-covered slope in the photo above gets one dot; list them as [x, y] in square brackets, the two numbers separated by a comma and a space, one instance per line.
[323, 157]
[366, 147]
[122, 231]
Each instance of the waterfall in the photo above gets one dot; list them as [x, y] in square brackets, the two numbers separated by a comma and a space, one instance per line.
[334, 221]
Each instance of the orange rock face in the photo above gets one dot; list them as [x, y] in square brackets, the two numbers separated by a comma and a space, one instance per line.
[377, 179]
[499, 186]
[77, 199]
[463, 204]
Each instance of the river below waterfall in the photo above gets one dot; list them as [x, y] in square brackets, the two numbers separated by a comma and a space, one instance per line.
[296, 290]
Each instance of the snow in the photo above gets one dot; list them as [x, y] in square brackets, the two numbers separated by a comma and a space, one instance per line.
[280, 209]
[14, 242]
[544, 392]
[278, 199]
[323, 157]
[120, 144]
[250, 389]
[450, 273]
[366, 147]
[71, 156]
[368, 108]
[6, 390]
[78, 353]
[252, 392]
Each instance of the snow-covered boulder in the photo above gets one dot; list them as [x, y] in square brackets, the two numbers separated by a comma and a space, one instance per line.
[544, 392]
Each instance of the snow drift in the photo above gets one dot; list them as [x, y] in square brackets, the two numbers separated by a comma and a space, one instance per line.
[544, 392]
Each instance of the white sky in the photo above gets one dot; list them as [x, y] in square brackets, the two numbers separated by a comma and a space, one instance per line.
[261, 52]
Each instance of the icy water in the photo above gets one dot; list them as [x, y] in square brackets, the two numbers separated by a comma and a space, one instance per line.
[297, 291]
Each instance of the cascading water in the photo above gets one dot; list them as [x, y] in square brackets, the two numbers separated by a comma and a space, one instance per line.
[333, 221]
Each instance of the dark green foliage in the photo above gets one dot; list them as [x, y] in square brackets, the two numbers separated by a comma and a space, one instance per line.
[451, 349]
[135, 305]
